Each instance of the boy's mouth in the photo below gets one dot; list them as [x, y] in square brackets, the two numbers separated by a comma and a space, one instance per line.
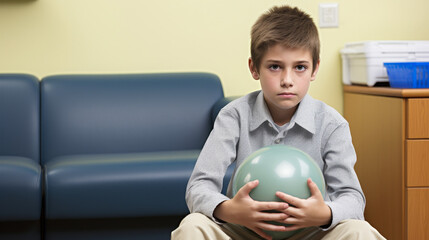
[286, 94]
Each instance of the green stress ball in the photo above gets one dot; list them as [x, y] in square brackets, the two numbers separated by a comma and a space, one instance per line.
[278, 168]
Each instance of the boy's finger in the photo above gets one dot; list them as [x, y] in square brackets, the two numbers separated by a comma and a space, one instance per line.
[293, 227]
[314, 190]
[271, 227]
[266, 206]
[291, 200]
[272, 216]
[247, 188]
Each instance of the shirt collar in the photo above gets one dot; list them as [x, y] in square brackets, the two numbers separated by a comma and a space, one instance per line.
[304, 115]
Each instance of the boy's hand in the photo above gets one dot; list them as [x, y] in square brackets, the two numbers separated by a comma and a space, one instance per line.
[306, 212]
[245, 211]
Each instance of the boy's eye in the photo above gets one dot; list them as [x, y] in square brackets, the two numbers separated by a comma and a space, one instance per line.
[301, 68]
[274, 67]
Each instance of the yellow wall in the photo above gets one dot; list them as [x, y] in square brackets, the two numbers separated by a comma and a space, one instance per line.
[45, 37]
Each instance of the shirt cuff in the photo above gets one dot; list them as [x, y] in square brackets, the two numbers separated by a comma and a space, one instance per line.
[335, 218]
[217, 220]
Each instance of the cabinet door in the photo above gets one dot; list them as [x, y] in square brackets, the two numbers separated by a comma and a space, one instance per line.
[418, 118]
[417, 163]
[377, 125]
[418, 213]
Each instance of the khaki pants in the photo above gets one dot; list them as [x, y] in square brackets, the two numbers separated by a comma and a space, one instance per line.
[199, 226]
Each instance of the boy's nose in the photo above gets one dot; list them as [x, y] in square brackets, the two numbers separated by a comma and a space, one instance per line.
[286, 80]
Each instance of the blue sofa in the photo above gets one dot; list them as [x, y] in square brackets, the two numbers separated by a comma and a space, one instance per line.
[116, 152]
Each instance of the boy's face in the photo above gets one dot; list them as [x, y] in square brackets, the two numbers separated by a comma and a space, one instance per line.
[285, 75]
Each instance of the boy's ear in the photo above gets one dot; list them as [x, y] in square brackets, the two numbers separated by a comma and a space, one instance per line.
[316, 69]
[253, 70]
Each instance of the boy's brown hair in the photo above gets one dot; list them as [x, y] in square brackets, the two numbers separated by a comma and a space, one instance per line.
[287, 26]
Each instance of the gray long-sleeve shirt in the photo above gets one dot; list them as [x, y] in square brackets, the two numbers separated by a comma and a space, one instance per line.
[245, 125]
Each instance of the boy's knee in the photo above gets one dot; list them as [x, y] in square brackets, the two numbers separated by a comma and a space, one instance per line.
[187, 227]
[356, 224]
[194, 220]
[197, 226]
[357, 229]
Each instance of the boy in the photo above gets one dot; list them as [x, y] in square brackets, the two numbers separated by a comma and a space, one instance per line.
[285, 59]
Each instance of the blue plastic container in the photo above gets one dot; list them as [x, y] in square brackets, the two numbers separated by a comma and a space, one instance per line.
[408, 74]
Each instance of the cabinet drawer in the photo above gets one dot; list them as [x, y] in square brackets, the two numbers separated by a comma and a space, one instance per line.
[417, 163]
[418, 213]
[418, 118]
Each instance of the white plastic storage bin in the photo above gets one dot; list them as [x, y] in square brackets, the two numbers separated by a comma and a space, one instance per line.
[363, 61]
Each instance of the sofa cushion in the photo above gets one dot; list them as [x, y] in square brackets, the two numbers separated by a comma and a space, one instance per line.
[118, 185]
[96, 114]
[20, 189]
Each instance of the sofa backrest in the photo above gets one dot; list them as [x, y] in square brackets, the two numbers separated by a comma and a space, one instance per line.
[97, 114]
[19, 116]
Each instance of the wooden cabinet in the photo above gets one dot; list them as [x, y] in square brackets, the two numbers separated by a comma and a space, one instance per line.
[390, 131]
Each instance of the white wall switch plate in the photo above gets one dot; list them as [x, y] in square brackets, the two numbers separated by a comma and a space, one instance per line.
[328, 15]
